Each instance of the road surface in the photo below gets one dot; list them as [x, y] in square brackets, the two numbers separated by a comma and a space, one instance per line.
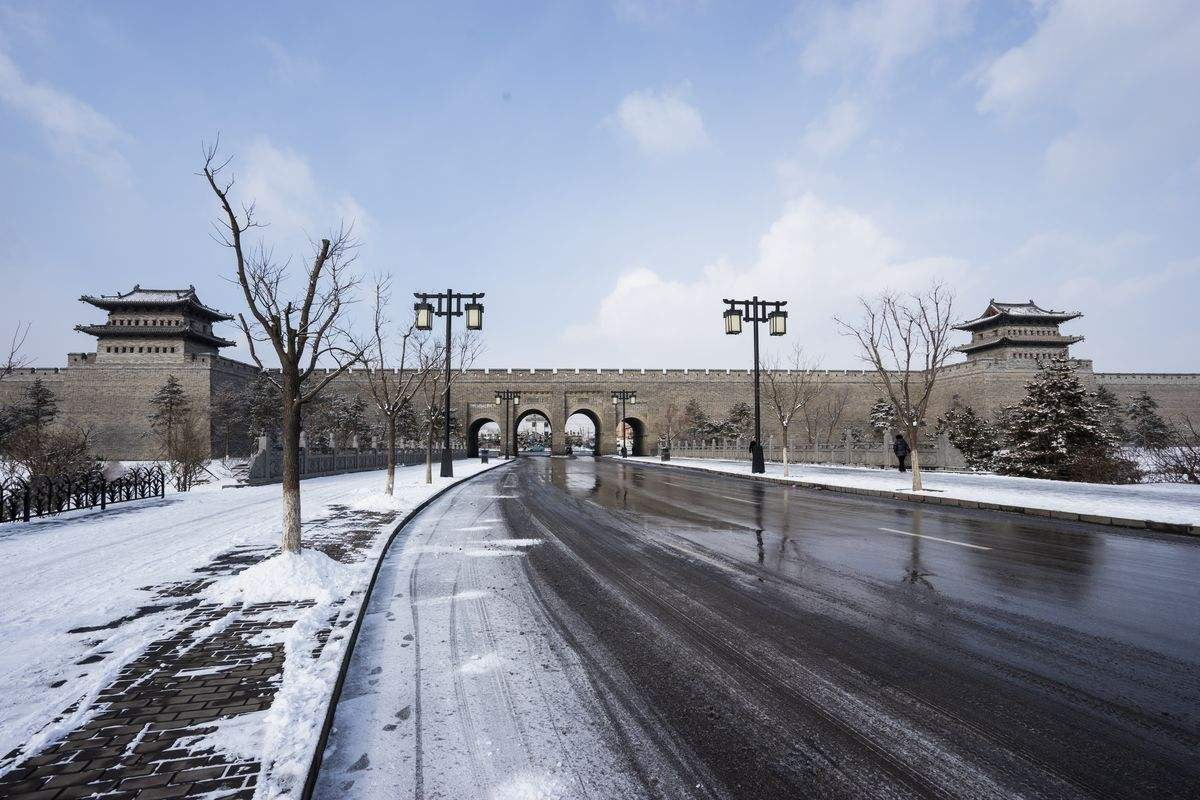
[579, 628]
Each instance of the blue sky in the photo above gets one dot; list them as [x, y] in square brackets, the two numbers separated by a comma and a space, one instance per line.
[607, 171]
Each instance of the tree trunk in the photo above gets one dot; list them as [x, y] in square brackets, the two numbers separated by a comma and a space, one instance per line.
[291, 465]
[786, 473]
[429, 453]
[391, 454]
[916, 461]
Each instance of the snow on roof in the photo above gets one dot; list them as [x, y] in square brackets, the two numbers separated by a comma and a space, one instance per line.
[998, 308]
[137, 295]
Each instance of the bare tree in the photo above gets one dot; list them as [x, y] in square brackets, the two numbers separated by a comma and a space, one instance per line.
[825, 413]
[906, 340]
[15, 360]
[790, 388]
[302, 332]
[465, 348]
[672, 421]
[394, 370]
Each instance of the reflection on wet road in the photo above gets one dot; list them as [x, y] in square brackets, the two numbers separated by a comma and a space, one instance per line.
[796, 643]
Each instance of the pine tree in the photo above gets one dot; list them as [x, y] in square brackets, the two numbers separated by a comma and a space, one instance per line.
[971, 434]
[882, 416]
[1057, 432]
[739, 424]
[695, 423]
[1108, 408]
[39, 409]
[263, 408]
[1149, 430]
[169, 408]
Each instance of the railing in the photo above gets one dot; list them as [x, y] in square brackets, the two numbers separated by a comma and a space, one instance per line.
[935, 454]
[266, 466]
[22, 499]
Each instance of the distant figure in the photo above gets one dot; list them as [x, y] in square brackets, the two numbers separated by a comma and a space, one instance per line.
[901, 449]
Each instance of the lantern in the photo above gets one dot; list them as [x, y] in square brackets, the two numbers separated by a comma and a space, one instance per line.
[777, 321]
[733, 321]
[474, 316]
[424, 316]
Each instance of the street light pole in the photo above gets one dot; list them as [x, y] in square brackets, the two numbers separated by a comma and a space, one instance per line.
[755, 311]
[510, 398]
[449, 305]
[623, 395]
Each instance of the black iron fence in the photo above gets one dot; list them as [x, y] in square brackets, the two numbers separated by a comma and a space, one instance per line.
[22, 499]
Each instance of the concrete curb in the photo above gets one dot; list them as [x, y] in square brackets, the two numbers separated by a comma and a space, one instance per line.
[318, 756]
[1094, 519]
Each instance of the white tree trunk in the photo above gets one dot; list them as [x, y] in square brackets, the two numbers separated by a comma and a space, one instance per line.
[916, 465]
[291, 469]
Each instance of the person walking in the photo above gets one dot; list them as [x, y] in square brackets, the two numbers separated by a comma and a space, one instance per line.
[901, 449]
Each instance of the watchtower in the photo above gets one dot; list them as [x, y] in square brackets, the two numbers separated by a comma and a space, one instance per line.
[161, 325]
[1017, 332]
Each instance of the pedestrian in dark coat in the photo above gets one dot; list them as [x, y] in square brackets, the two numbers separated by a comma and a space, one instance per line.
[901, 449]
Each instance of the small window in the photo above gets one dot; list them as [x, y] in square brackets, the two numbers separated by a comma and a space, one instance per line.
[172, 349]
[139, 349]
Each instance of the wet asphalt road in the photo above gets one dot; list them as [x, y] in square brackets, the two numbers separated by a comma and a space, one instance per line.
[783, 642]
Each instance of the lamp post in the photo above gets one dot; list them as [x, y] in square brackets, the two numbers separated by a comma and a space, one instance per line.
[510, 398]
[449, 305]
[621, 396]
[756, 311]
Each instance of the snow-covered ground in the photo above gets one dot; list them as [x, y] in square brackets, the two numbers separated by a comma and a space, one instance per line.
[1159, 502]
[95, 571]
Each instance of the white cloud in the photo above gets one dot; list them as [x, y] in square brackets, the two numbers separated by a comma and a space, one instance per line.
[287, 67]
[74, 129]
[288, 197]
[841, 126]
[1114, 78]
[661, 122]
[652, 13]
[818, 256]
[876, 35]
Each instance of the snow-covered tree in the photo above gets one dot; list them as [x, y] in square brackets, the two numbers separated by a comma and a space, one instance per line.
[1056, 431]
[1108, 409]
[974, 436]
[695, 423]
[739, 422]
[1148, 430]
[882, 416]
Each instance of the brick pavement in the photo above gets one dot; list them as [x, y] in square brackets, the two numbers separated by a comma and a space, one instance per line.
[144, 736]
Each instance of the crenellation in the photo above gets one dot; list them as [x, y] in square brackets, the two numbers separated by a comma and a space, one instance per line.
[110, 392]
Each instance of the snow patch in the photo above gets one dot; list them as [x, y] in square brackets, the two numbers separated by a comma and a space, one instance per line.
[530, 785]
[482, 664]
[307, 575]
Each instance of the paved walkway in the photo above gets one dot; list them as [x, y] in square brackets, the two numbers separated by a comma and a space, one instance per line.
[144, 735]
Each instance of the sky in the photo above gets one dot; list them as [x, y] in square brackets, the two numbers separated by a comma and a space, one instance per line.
[607, 172]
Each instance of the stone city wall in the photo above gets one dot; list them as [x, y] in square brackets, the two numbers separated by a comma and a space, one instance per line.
[113, 399]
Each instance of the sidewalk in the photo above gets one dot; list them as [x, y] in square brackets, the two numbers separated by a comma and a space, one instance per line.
[186, 694]
[1167, 506]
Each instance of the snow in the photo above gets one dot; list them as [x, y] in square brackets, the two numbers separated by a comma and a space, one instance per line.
[1158, 502]
[97, 572]
[460, 685]
[308, 575]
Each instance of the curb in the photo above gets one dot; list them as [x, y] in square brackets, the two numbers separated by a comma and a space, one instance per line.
[1070, 516]
[318, 756]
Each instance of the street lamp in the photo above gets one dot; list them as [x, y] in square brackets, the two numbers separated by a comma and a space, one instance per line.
[510, 398]
[621, 396]
[449, 305]
[756, 311]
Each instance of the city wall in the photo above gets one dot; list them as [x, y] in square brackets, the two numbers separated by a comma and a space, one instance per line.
[113, 399]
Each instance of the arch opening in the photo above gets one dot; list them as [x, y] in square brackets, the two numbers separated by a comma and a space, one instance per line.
[483, 433]
[632, 434]
[532, 432]
[583, 431]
